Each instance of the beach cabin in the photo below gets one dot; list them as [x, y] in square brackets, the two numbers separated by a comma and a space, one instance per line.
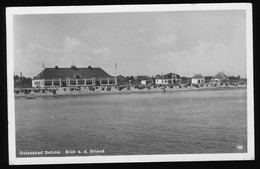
[198, 79]
[170, 78]
[73, 77]
[219, 79]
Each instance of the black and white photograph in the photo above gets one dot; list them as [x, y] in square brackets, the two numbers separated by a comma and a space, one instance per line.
[130, 83]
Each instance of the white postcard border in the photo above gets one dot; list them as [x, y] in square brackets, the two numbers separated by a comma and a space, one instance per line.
[13, 160]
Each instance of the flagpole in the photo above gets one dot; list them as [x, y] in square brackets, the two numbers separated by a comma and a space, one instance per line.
[115, 71]
[115, 68]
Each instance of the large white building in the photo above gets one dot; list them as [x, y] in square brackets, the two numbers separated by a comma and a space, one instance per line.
[170, 78]
[73, 76]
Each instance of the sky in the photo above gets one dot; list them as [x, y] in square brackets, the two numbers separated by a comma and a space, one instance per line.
[140, 43]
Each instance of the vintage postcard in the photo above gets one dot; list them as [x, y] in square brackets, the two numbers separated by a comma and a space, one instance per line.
[130, 83]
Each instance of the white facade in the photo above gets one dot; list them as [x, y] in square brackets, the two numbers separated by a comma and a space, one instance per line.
[198, 80]
[161, 81]
[143, 82]
[167, 81]
[38, 83]
[72, 82]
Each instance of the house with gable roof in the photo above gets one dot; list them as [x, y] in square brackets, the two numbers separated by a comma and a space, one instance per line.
[170, 78]
[197, 79]
[219, 79]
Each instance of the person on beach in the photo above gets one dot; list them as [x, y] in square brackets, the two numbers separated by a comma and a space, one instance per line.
[164, 89]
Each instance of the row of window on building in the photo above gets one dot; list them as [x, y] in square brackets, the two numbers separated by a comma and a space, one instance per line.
[73, 82]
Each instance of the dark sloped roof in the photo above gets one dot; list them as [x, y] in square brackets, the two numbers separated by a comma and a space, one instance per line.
[120, 76]
[197, 76]
[56, 73]
[171, 74]
[167, 76]
[147, 78]
[139, 78]
[220, 75]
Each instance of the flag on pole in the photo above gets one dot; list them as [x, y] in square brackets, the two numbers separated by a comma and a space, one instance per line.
[115, 65]
[43, 65]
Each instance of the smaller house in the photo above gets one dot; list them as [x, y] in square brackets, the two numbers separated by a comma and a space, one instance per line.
[139, 78]
[219, 79]
[198, 79]
[147, 81]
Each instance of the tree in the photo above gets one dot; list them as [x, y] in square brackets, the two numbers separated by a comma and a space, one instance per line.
[131, 78]
[127, 78]
[20, 82]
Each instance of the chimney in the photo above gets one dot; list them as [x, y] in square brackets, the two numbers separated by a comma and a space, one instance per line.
[21, 75]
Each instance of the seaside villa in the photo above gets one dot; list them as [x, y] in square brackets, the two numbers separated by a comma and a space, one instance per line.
[198, 79]
[73, 77]
[170, 78]
[219, 79]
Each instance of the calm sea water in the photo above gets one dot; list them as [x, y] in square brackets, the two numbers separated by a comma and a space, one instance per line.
[131, 124]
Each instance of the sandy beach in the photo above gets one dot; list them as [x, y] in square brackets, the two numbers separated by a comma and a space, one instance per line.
[115, 90]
